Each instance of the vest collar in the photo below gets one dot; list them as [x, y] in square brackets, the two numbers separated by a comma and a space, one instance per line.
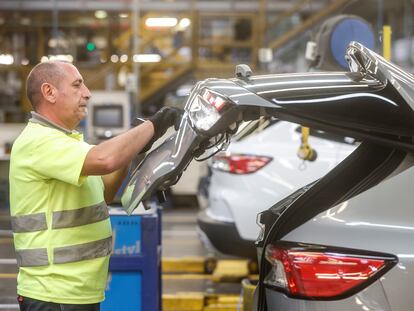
[38, 118]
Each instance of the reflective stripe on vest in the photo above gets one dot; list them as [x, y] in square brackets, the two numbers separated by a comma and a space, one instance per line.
[79, 217]
[91, 250]
[38, 257]
[32, 257]
[29, 223]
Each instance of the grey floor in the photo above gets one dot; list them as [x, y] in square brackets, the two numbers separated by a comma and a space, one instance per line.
[179, 239]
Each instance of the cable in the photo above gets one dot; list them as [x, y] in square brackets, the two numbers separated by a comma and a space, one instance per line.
[225, 137]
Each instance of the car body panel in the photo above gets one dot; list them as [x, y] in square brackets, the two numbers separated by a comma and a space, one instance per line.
[371, 298]
[373, 220]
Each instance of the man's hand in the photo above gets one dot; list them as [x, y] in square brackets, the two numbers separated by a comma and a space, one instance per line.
[163, 119]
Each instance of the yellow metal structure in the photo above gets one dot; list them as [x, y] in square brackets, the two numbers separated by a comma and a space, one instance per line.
[194, 301]
[230, 270]
[183, 302]
[183, 265]
[248, 289]
[386, 42]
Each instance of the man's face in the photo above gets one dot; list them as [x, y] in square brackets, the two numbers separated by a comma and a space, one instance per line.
[72, 97]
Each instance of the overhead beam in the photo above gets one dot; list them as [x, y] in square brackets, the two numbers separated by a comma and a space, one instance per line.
[161, 6]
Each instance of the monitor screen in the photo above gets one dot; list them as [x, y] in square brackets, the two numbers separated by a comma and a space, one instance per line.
[108, 116]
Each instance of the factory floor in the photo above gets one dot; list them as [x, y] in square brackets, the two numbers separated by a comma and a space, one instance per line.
[183, 255]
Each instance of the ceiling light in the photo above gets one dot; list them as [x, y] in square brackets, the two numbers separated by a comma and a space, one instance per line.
[100, 14]
[61, 57]
[164, 22]
[124, 58]
[6, 59]
[114, 58]
[184, 23]
[146, 58]
[123, 15]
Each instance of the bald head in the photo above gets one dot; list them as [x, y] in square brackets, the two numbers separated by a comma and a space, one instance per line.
[48, 72]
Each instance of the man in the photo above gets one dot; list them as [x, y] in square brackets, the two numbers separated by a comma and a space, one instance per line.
[59, 187]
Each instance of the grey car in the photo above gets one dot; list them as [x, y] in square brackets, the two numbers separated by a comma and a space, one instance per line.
[343, 242]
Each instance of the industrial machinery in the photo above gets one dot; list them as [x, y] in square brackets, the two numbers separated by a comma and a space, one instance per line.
[109, 115]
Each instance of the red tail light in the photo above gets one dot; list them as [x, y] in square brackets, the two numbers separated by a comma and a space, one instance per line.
[239, 163]
[323, 273]
[215, 100]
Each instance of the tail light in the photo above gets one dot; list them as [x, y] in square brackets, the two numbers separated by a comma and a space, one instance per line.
[213, 99]
[239, 163]
[205, 109]
[319, 272]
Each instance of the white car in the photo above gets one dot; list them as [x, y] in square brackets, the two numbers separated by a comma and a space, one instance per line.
[262, 157]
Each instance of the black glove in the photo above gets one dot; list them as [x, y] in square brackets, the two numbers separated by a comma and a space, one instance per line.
[163, 119]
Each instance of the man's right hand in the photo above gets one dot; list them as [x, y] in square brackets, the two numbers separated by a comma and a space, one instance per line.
[163, 119]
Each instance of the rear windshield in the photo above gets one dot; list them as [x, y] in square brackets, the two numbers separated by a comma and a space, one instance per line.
[249, 128]
[329, 136]
[253, 127]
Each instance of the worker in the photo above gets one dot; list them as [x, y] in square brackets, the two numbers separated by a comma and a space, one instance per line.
[59, 190]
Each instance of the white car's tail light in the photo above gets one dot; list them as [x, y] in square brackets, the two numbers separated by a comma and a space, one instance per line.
[239, 163]
[323, 273]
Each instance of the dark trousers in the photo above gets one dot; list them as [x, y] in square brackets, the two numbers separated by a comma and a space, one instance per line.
[30, 304]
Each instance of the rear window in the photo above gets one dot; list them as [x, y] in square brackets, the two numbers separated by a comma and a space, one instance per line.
[329, 136]
[253, 127]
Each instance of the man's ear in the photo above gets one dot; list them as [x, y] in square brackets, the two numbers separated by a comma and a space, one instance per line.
[49, 92]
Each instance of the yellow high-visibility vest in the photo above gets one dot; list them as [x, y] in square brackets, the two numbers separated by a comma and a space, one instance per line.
[61, 228]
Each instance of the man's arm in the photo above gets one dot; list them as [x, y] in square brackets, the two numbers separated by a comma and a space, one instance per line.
[118, 152]
[113, 182]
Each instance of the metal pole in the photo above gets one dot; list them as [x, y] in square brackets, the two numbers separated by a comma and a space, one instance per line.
[136, 105]
[408, 25]
[55, 26]
[380, 20]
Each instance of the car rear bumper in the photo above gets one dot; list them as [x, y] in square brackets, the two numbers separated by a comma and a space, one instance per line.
[224, 237]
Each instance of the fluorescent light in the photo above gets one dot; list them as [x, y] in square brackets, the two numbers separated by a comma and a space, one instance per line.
[184, 23]
[61, 57]
[100, 14]
[146, 58]
[161, 22]
[6, 59]
[123, 15]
